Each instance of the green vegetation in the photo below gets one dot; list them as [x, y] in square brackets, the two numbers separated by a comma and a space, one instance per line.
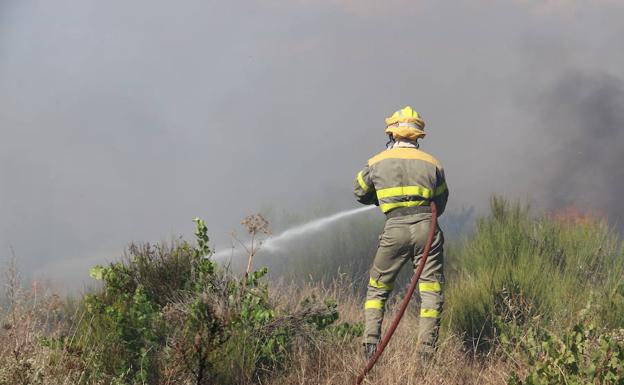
[533, 271]
[168, 313]
[538, 299]
[581, 355]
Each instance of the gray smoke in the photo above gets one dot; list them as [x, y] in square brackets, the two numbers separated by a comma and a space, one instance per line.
[121, 121]
[582, 120]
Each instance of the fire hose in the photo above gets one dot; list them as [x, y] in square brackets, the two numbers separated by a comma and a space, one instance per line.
[410, 291]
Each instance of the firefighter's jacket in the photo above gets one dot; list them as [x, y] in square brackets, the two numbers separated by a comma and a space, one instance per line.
[402, 176]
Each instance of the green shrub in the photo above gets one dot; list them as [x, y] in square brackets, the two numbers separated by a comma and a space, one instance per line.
[516, 268]
[581, 355]
[168, 313]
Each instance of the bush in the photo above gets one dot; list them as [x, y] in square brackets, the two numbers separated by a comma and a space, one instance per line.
[520, 269]
[582, 355]
[169, 314]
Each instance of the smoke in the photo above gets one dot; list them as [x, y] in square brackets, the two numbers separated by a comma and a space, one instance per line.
[582, 120]
[121, 121]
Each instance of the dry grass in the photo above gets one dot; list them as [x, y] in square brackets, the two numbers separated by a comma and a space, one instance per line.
[314, 360]
[325, 362]
[29, 315]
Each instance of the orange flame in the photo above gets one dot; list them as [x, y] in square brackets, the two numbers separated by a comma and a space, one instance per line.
[572, 215]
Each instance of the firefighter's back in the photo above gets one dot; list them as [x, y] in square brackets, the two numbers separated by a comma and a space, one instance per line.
[406, 177]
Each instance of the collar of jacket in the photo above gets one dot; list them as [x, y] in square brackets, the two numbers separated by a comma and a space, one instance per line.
[402, 143]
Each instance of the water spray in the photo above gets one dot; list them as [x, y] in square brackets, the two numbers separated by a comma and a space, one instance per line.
[277, 242]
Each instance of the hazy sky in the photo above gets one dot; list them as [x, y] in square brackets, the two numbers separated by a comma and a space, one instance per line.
[122, 120]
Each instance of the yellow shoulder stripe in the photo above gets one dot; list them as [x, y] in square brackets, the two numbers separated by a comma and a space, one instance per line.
[361, 182]
[404, 153]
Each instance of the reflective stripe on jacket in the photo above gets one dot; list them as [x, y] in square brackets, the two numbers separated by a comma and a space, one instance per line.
[402, 177]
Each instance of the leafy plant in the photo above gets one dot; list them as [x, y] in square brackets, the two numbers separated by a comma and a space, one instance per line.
[581, 355]
[206, 325]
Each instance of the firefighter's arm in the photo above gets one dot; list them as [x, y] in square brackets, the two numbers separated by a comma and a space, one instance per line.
[364, 189]
[441, 192]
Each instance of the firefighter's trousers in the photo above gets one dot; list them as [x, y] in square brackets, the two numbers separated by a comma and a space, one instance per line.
[403, 239]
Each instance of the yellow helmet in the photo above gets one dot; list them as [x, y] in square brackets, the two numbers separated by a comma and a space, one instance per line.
[406, 123]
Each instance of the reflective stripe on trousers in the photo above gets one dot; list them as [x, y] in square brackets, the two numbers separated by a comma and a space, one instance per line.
[402, 240]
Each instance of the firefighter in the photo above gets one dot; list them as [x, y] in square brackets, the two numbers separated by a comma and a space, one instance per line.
[402, 180]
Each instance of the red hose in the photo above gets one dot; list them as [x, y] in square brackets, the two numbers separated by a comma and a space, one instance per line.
[386, 338]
